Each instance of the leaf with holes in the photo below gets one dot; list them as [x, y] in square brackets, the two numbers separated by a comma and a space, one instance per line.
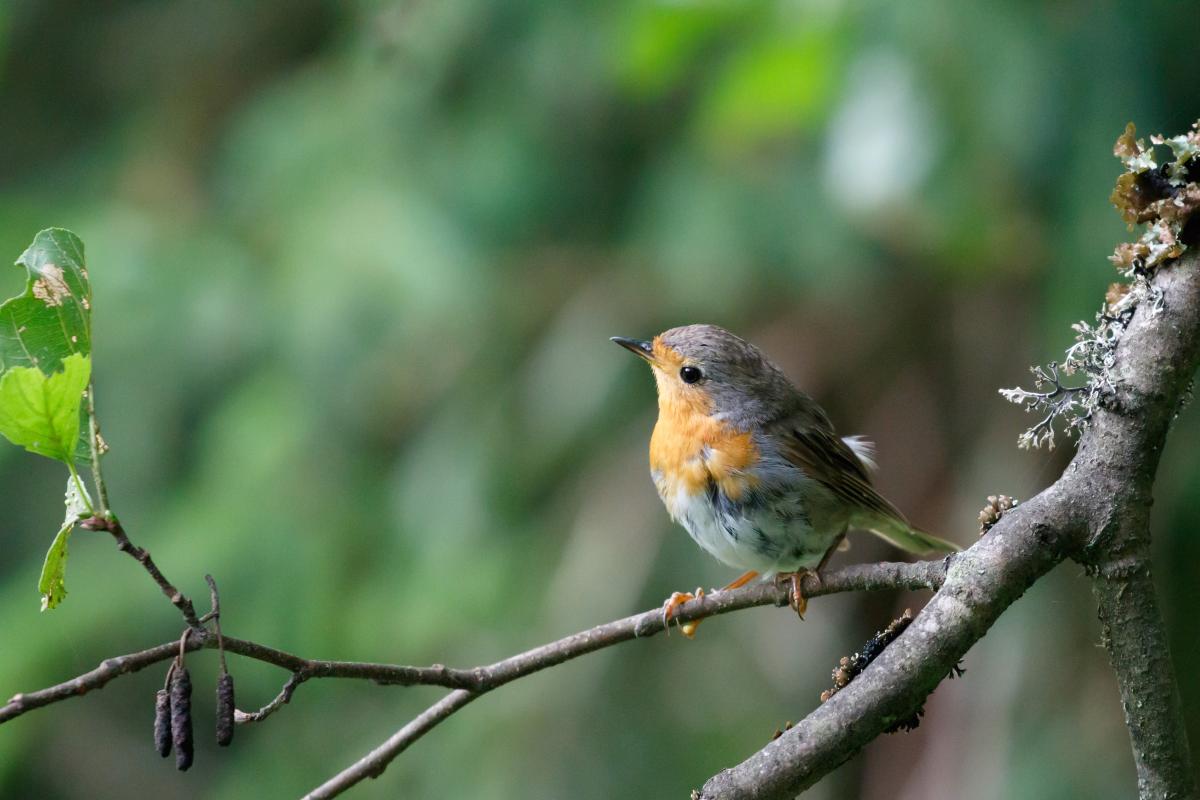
[53, 582]
[42, 412]
[52, 318]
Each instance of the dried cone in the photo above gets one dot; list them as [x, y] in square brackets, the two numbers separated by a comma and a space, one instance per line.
[225, 709]
[162, 723]
[181, 717]
[991, 513]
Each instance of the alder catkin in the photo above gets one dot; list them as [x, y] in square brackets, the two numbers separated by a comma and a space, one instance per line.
[162, 723]
[181, 717]
[225, 709]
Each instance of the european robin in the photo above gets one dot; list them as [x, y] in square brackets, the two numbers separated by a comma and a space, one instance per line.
[752, 467]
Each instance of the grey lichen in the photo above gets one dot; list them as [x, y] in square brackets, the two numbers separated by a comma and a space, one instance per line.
[1162, 197]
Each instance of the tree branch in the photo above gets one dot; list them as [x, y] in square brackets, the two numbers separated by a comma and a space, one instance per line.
[861, 577]
[142, 556]
[1123, 467]
[1099, 505]
[1136, 640]
[283, 698]
[374, 763]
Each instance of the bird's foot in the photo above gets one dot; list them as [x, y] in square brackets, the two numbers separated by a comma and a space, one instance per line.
[675, 601]
[797, 600]
[679, 598]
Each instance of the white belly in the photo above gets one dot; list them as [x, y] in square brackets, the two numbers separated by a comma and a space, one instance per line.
[777, 530]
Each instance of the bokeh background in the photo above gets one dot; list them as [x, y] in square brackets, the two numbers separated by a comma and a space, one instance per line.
[356, 265]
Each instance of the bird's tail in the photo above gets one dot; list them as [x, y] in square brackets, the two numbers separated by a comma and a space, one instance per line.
[903, 535]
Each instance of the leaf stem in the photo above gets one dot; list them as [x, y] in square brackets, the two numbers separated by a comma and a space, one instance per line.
[94, 442]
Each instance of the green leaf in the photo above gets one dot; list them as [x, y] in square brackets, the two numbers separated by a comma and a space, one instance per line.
[52, 319]
[42, 413]
[53, 582]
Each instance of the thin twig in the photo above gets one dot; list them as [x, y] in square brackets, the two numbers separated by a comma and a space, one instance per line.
[374, 763]
[215, 616]
[281, 699]
[177, 598]
[860, 577]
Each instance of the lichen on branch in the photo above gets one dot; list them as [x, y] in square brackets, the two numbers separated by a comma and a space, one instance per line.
[1162, 197]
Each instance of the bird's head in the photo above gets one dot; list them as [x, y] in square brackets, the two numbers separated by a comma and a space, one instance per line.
[705, 369]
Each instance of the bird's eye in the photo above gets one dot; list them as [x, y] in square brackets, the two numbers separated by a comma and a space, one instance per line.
[690, 374]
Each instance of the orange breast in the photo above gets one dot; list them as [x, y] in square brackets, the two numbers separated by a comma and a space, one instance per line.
[689, 449]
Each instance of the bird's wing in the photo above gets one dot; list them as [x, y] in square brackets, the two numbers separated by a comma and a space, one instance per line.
[825, 458]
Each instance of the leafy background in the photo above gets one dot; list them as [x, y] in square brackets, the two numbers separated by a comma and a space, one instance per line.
[355, 266]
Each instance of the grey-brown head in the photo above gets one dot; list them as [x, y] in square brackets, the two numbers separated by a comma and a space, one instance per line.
[707, 369]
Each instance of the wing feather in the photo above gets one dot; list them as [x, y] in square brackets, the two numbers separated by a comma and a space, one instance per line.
[825, 458]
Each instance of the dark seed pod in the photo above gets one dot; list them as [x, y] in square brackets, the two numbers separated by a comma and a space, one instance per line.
[181, 717]
[162, 723]
[225, 709]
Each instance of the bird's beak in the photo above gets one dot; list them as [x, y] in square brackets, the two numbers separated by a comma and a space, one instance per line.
[636, 346]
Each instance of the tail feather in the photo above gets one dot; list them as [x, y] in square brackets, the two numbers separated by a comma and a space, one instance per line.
[906, 537]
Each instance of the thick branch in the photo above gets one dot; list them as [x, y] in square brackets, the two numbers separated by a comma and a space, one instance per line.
[1105, 487]
[980, 584]
[1137, 646]
[861, 577]
[1122, 466]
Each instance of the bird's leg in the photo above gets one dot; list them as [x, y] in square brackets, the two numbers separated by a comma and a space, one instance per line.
[737, 583]
[833, 548]
[798, 601]
[675, 601]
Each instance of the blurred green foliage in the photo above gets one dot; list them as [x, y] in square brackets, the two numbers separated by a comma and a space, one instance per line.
[355, 266]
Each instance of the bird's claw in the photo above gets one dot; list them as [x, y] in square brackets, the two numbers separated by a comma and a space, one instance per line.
[675, 601]
[797, 600]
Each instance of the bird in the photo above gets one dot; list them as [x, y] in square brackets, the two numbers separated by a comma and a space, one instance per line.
[752, 467]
